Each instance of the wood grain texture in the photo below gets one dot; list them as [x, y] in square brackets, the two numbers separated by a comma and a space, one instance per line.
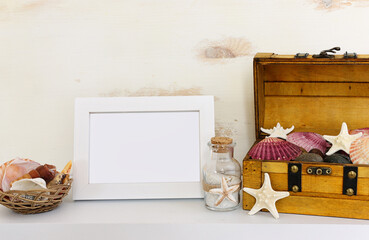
[274, 166]
[316, 114]
[317, 191]
[316, 72]
[330, 184]
[363, 171]
[324, 206]
[316, 89]
[259, 99]
[310, 183]
[252, 178]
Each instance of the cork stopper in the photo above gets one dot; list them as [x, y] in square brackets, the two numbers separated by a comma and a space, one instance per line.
[221, 140]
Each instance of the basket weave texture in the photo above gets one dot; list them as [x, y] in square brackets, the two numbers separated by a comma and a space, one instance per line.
[38, 201]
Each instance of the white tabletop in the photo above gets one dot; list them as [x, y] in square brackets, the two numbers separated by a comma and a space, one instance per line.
[170, 219]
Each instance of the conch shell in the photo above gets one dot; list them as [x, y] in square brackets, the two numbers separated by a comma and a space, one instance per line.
[13, 170]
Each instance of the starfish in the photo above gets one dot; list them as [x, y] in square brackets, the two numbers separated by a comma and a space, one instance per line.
[342, 141]
[266, 197]
[225, 192]
[278, 131]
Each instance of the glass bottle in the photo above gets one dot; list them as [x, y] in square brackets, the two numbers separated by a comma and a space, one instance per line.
[222, 176]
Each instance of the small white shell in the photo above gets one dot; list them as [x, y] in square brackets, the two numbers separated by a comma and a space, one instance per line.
[29, 184]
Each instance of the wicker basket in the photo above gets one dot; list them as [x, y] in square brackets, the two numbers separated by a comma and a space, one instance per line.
[31, 202]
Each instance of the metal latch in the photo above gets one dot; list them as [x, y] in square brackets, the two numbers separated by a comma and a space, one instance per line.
[324, 53]
[294, 177]
[350, 175]
[319, 170]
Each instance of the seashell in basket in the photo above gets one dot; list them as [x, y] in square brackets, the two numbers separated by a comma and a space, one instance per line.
[46, 172]
[29, 185]
[365, 131]
[359, 151]
[30, 196]
[13, 170]
[275, 149]
[308, 141]
[44, 200]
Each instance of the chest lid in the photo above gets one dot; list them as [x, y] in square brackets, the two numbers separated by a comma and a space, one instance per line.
[314, 95]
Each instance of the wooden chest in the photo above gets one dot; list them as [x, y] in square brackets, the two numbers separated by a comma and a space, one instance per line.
[314, 95]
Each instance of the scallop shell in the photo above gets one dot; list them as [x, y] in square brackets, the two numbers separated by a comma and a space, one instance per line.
[359, 151]
[365, 131]
[275, 149]
[29, 184]
[308, 141]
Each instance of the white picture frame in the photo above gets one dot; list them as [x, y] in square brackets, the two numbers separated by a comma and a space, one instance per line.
[111, 161]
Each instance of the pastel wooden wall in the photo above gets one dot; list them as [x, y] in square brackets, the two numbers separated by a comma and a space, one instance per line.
[52, 51]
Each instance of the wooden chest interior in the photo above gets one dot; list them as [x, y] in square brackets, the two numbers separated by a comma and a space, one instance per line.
[314, 95]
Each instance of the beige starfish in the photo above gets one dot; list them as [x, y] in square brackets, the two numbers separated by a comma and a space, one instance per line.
[342, 141]
[225, 192]
[266, 197]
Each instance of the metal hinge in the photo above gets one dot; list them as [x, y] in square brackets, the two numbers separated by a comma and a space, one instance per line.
[350, 175]
[349, 55]
[294, 177]
[301, 55]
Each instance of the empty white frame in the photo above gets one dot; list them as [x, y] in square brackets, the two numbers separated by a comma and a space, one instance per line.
[141, 147]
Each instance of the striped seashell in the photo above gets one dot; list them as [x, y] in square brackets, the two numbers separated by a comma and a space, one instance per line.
[365, 131]
[308, 141]
[359, 151]
[275, 149]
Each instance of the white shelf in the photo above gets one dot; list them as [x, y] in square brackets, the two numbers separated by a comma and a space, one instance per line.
[169, 219]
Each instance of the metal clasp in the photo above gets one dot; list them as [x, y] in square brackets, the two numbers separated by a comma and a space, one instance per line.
[319, 170]
[324, 53]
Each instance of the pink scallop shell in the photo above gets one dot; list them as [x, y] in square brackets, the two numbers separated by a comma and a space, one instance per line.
[275, 149]
[308, 141]
[365, 131]
[359, 151]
